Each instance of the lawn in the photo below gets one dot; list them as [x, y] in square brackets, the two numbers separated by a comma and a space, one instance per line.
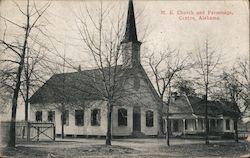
[129, 148]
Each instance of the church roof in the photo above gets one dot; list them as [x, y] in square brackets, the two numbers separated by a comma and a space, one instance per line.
[85, 85]
[130, 33]
[72, 87]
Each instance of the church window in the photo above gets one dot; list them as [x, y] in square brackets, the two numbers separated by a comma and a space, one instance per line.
[96, 117]
[227, 124]
[39, 116]
[65, 117]
[51, 116]
[149, 118]
[79, 117]
[122, 117]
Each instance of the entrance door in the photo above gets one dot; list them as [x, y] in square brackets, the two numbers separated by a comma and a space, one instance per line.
[136, 119]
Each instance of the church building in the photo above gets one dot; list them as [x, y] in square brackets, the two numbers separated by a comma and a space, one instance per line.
[86, 112]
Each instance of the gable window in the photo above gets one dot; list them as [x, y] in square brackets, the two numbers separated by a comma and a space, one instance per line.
[65, 117]
[227, 124]
[96, 117]
[149, 118]
[122, 117]
[51, 116]
[39, 116]
[79, 117]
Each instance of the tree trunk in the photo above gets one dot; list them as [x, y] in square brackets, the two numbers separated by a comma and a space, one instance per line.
[27, 102]
[160, 119]
[27, 90]
[12, 139]
[62, 125]
[206, 119]
[236, 137]
[109, 122]
[168, 131]
[26, 110]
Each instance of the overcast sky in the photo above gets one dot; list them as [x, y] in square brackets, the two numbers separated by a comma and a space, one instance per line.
[229, 34]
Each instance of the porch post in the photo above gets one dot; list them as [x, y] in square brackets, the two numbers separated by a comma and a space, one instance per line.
[184, 130]
[197, 124]
[203, 125]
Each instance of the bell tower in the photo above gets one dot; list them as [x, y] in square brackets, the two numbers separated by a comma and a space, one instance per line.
[130, 44]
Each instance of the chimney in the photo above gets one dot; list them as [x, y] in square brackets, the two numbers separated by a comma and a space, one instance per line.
[173, 96]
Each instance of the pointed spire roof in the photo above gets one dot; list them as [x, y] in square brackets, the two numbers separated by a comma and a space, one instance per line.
[130, 33]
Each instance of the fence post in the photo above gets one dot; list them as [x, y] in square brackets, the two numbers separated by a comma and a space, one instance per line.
[38, 133]
[54, 132]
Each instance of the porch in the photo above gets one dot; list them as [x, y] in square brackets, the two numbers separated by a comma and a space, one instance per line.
[190, 124]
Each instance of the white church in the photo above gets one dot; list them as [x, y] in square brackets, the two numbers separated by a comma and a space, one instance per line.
[85, 112]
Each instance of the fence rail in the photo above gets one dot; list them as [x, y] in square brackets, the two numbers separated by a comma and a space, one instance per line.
[29, 131]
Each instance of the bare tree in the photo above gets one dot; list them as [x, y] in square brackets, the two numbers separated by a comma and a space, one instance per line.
[206, 61]
[103, 43]
[185, 86]
[164, 69]
[15, 50]
[102, 35]
[236, 90]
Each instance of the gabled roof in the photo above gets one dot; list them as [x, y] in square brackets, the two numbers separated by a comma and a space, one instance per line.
[196, 105]
[180, 105]
[215, 108]
[85, 85]
[72, 87]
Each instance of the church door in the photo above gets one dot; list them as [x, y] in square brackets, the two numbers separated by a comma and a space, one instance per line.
[136, 119]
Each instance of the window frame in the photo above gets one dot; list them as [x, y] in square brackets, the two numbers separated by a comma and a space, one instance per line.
[53, 116]
[149, 118]
[97, 120]
[79, 112]
[122, 117]
[41, 116]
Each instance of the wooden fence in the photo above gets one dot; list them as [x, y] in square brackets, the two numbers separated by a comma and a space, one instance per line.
[28, 131]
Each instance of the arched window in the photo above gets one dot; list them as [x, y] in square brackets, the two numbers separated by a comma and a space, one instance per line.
[122, 117]
[96, 117]
[149, 118]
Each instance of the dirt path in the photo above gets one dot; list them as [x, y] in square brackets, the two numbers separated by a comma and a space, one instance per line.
[123, 148]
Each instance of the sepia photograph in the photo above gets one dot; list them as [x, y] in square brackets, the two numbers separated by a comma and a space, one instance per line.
[124, 78]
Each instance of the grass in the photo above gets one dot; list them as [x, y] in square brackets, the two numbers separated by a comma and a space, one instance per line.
[128, 148]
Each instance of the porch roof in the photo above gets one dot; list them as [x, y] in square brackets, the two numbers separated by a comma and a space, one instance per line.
[182, 116]
[187, 106]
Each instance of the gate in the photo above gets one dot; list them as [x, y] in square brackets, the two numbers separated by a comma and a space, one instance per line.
[41, 131]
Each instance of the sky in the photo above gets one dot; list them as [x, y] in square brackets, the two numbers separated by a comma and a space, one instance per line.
[178, 24]
[228, 35]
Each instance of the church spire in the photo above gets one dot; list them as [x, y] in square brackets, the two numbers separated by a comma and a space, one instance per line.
[130, 33]
[130, 44]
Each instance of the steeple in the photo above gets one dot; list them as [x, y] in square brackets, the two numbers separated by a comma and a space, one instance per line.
[130, 33]
[130, 43]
